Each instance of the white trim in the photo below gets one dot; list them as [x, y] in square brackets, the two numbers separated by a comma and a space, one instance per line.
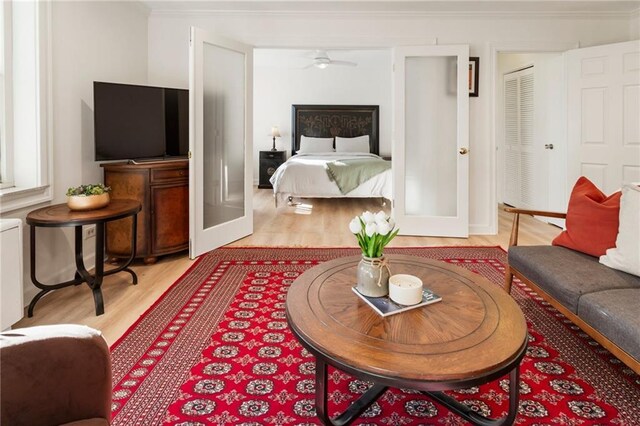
[506, 47]
[480, 229]
[368, 14]
[7, 125]
[17, 196]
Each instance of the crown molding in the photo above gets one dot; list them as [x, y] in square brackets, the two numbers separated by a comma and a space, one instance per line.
[320, 14]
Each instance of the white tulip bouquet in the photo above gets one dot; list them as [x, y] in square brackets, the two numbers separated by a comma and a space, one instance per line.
[373, 231]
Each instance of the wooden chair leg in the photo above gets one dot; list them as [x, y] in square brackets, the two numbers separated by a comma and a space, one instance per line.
[508, 280]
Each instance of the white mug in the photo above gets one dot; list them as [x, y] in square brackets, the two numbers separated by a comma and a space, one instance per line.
[405, 289]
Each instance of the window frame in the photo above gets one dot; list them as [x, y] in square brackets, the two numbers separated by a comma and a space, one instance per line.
[21, 195]
[6, 119]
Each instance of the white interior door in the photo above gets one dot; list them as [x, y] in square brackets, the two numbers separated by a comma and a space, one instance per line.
[551, 134]
[604, 106]
[520, 153]
[220, 165]
[431, 140]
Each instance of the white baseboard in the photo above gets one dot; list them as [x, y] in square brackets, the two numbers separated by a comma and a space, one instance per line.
[482, 230]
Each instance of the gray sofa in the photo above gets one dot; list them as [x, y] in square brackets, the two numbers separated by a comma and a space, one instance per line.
[604, 302]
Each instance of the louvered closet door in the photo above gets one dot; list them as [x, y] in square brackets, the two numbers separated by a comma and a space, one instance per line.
[511, 141]
[520, 169]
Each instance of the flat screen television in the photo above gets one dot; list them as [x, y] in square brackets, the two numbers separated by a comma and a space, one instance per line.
[140, 122]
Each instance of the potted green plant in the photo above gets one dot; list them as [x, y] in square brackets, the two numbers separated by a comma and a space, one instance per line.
[88, 197]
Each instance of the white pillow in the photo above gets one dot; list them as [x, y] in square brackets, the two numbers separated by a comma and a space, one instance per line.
[357, 144]
[308, 144]
[625, 256]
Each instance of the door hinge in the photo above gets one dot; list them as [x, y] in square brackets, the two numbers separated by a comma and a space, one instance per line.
[189, 155]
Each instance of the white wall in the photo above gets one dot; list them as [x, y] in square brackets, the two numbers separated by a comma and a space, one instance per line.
[105, 41]
[280, 81]
[169, 35]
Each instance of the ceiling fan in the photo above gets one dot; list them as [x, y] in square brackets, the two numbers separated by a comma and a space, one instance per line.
[320, 59]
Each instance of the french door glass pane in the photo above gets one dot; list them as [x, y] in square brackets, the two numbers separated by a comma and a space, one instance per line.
[431, 136]
[223, 110]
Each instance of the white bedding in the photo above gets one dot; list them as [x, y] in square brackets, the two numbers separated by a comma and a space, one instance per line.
[305, 176]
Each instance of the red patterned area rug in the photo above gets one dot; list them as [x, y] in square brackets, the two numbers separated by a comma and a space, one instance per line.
[215, 349]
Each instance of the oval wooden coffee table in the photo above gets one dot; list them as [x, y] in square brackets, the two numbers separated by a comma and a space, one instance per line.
[476, 334]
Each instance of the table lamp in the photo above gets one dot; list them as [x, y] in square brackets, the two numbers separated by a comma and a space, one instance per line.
[276, 134]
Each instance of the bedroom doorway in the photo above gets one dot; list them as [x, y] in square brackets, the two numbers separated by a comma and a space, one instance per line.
[431, 140]
[220, 147]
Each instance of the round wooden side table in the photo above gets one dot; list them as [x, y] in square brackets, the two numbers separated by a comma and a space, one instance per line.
[476, 334]
[58, 216]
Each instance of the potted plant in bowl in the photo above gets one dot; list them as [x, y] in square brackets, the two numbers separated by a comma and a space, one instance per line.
[88, 197]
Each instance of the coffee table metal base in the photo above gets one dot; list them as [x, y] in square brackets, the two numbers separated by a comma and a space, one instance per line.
[370, 396]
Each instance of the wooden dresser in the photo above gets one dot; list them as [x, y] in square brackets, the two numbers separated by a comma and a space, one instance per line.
[163, 223]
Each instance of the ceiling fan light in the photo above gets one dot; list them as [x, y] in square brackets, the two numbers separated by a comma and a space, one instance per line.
[321, 65]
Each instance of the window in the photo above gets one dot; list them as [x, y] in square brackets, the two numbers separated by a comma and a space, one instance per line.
[25, 167]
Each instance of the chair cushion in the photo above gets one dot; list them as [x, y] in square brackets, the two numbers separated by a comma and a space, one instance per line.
[96, 421]
[616, 314]
[54, 374]
[567, 275]
[592, 220]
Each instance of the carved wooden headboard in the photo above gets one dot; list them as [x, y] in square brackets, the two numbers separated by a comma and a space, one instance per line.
[326, 121]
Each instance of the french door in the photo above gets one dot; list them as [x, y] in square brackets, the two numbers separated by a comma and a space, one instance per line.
[431, 140]
[220, 120]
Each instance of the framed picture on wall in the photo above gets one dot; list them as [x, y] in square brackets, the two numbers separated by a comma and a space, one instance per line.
[474, 71]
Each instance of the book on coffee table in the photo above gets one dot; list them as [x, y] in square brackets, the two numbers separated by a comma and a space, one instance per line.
[385, 306]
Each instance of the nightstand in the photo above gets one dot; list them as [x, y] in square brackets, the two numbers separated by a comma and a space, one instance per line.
[269, 162]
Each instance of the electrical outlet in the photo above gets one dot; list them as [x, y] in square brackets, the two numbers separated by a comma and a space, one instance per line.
[89, 231]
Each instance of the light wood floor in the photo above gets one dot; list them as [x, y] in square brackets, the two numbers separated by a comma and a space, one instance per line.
[313, 223]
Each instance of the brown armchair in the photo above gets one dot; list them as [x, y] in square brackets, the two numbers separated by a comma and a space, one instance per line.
[54, 375]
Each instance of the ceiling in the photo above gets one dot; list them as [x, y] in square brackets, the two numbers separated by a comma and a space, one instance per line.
[400, 6]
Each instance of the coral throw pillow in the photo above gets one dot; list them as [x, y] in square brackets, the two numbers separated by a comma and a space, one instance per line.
[592, 220]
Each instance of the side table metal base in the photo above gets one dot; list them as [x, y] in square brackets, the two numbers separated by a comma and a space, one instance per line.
[82, 275]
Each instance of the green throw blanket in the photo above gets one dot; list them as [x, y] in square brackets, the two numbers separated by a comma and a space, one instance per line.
[349, 174]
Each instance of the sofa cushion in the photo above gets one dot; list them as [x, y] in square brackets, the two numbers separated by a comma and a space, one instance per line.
[616, 314]
[625, 256]
[566, 274]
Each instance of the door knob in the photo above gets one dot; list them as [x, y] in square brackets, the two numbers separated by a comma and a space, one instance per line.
[463, 151]
[548, 146]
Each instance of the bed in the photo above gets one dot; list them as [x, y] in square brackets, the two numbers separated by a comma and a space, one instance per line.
[305, 175]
